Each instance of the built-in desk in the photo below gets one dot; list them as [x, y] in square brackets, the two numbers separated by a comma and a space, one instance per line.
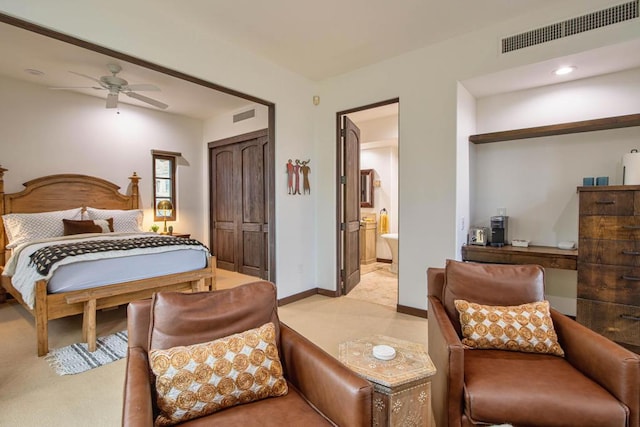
[546, 256]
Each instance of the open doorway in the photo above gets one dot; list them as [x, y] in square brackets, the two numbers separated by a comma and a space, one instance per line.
[368, 259]
[201, 103]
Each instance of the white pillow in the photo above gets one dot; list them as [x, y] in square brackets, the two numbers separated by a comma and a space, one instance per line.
[124, 221]
[24, 227]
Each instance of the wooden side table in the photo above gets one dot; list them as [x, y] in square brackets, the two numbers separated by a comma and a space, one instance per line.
[402, 386]
[185, 235]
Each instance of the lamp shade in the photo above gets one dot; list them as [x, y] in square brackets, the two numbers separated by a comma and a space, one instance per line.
[165, 205]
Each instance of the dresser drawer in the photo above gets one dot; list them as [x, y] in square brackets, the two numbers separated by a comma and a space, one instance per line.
[617, 322]
[609, 252]
[617, 203]
[609, 284]
[609, 227]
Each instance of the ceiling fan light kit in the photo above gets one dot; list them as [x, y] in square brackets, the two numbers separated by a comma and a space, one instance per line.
[116, 85]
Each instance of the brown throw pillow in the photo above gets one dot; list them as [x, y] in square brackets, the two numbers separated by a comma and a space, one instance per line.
[200, 379]
[87, 226]
[527, 327]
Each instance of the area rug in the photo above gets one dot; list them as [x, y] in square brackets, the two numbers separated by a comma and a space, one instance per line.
[76, 358]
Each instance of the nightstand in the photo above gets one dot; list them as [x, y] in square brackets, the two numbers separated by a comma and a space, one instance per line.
[185, 235]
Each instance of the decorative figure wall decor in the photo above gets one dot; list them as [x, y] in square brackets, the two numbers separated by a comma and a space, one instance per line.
[293, 176]
[296, 175]
[290, 176]
[305, 169]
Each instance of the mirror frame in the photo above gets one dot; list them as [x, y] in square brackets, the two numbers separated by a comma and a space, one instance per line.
[366, 188]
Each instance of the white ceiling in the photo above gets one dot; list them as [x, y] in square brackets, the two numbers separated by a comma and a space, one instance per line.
[320, 39]
[314, 39]
[22, 50]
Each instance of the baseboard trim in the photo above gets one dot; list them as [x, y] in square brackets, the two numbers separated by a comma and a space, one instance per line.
[387, 261]
[412, 311]
[418, 312]
[327, 293]
[297, 297]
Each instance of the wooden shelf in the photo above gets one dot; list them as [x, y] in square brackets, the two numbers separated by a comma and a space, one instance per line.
[546, 256]
[559, 129]
[609, 188]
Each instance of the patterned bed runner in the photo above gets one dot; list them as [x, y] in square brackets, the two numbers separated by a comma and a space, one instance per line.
[43, 259]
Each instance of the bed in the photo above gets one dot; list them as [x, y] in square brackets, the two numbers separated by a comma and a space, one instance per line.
[64, 192]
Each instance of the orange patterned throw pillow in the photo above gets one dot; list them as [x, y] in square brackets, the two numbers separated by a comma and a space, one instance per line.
[201, 379]
[527, 327]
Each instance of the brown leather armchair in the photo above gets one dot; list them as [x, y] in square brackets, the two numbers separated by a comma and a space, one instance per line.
[596, 383]
[322, 391]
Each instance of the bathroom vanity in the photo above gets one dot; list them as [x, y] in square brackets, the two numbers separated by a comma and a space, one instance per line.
[368, 242]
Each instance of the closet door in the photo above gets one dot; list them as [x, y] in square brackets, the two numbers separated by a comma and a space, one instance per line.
[239, 204]
[223, 207]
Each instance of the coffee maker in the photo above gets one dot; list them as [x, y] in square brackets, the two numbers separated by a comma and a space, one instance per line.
[499, 230]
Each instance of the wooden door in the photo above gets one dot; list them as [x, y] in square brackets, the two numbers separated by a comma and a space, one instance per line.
[240, 172]
[351, 204]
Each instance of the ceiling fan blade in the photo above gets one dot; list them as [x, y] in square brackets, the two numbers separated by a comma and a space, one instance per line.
[112, 100]
[147, 100]
[87, 77]
[76, 87]
[144, 87]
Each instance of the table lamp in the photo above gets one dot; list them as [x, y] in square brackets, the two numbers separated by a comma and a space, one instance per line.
[166, 207]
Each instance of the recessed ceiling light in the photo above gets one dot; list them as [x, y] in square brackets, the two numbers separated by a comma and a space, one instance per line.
[33, 72]
[564, 70]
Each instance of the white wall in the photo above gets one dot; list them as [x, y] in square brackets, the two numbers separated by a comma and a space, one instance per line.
[162, 39]
[426, 82]
[536, 179]
[466, 126]
[50, 132]
[378, 130]
[222, 126]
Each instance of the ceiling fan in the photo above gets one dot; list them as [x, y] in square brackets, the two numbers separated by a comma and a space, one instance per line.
[116, 85]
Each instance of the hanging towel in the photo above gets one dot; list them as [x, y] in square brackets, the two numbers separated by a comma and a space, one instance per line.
[384, 222]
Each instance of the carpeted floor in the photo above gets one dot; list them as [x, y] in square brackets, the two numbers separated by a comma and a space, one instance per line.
[31, 394]
[377, 285]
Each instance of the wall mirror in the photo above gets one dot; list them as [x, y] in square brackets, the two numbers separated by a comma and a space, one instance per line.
[366, 188]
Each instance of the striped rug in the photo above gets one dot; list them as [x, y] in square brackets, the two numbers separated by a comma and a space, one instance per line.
[76, 358]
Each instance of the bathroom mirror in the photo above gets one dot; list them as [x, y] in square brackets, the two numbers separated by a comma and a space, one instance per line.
[366, 188]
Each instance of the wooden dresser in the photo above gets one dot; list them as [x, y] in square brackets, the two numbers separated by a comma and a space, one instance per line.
[609, 262]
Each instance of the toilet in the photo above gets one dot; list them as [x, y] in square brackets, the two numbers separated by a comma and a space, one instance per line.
[392, 241]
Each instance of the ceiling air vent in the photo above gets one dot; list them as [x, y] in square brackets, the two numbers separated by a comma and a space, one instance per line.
[591, 21]
[244, 115]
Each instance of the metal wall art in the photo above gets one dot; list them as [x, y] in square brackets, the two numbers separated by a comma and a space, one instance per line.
[293, 177]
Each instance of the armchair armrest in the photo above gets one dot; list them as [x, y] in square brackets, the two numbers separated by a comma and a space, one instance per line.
[137, 409]
[447, 353]
[335, 390]
[607, 363]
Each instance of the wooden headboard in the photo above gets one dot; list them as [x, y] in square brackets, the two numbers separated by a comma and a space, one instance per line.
[64, 191]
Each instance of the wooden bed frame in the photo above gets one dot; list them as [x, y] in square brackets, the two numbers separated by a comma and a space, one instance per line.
[68, 191]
